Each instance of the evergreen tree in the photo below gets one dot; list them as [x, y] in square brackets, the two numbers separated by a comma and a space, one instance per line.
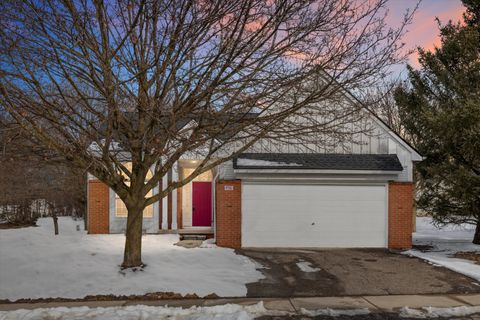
[440, 107]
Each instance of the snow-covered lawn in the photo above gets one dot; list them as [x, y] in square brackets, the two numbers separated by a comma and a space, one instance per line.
[34, 263]
[445, 243]
[223, 312]
[220, 312]
[432, 312]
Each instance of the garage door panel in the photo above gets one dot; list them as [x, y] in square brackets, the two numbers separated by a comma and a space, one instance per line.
[344, 224]
[313, 210]
[313, 216]
[354, 193]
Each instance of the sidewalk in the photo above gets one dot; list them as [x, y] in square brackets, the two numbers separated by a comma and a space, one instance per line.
[389, 303]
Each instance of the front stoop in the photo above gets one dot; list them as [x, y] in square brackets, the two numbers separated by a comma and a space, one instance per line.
[196, 233]
[193, 237]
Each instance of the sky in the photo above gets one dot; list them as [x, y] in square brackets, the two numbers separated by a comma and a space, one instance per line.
[423, 31]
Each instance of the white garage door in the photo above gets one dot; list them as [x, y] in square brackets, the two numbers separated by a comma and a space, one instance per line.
[280, 215]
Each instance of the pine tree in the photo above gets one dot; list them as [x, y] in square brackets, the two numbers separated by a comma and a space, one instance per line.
[440, 107]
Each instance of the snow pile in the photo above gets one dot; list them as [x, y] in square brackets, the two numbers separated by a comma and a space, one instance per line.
[224, 312]
[264, 163]
[446, 241]
[335, 312]
[431, 312]
[209, 243]
[306, 266]
[37, 264]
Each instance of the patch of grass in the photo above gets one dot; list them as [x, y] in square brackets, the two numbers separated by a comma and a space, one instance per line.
[422, 247]
[11, 225]
[111, 297]
[469, 255]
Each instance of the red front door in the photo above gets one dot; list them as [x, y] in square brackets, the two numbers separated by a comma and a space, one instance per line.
[201, 204]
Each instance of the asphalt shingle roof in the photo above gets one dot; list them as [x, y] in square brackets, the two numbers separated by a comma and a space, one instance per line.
[318, 161]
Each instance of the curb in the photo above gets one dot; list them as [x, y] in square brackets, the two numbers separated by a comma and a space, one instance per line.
[388, 303]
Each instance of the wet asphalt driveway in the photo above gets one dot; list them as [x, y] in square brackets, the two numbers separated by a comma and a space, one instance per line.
[350, 272]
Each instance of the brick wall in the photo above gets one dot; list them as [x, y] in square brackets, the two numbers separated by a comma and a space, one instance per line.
[229, 213]
[400, 215]
[98, 211]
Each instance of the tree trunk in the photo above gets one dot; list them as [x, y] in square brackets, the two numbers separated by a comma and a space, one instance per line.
[55, 221]
[132, 256]
[476, 237]
[85, 220]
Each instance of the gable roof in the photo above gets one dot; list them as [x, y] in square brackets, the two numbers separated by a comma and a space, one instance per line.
[415, 154]
[318, 161]
[182, 122]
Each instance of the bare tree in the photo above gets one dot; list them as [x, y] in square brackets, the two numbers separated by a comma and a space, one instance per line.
[151, 81]
[35, 181]
[381, 101]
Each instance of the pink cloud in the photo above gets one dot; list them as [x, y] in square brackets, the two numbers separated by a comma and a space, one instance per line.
[423, 32]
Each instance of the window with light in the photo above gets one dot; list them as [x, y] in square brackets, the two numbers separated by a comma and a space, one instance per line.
[120, 208]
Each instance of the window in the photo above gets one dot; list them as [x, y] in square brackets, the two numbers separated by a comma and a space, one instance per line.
[121, 209]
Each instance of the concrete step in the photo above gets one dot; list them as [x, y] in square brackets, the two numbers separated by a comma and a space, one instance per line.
[193, 237]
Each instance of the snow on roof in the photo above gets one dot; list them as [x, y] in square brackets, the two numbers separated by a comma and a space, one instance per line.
[318, 161]
[264, 163]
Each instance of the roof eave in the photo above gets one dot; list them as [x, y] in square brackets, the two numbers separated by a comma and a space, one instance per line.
[315, 171]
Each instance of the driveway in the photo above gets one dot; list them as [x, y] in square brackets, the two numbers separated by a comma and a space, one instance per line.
[350, 272]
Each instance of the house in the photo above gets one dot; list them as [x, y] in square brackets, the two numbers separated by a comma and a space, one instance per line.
[360, 197]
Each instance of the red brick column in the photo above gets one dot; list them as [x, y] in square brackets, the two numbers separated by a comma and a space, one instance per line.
[400, 215]
[229, 213]
[98, 211]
